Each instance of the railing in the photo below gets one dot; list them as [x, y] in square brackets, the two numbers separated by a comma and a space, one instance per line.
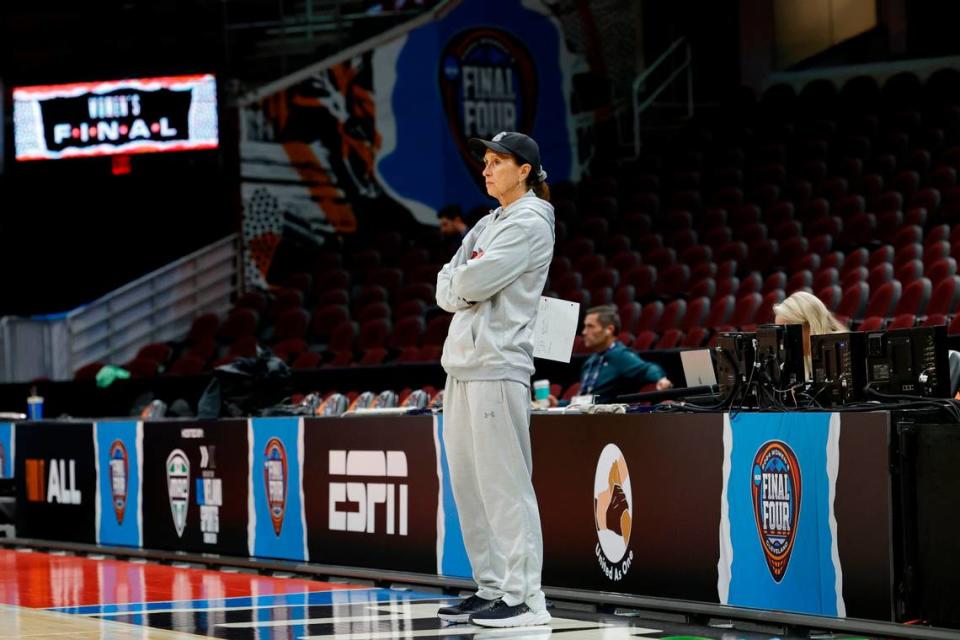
[302, 29]
[641, 104]
[158, 307]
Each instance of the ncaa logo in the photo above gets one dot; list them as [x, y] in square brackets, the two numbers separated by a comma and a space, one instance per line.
[178, 488]
[489, 84]
[776, 487]
[275, 481]
[613, 513]
[119, 472]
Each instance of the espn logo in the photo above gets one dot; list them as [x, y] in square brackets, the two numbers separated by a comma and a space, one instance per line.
[374, 481]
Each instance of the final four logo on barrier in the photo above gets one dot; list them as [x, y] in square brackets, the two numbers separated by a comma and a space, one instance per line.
[488, 82]
[776, 488]
[178, 488]
[613, 513]
[119, 472]
[275, 481]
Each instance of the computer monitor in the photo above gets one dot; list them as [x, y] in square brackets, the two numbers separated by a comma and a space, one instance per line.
[698, 367]
[839, 367]
[780, 353]
[735, 356]
[911, 362]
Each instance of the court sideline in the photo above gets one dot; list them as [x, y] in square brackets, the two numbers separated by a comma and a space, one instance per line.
[55, 596]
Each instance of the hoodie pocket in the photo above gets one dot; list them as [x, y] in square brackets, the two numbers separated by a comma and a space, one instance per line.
[487, 338]
[461, 339]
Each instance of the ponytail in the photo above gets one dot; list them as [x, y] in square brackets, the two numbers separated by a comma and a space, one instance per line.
[541, 190]
[536, 179]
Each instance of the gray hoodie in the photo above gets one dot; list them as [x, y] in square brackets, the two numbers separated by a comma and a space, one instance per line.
[493, 286]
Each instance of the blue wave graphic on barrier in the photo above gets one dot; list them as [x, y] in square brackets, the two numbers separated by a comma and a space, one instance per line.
[455, 562]
[6, 449]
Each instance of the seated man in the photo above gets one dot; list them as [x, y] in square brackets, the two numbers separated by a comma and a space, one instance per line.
[452, 223]
[613, 369]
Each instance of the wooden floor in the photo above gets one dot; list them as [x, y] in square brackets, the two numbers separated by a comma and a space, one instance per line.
[37, 624]
[55, 597]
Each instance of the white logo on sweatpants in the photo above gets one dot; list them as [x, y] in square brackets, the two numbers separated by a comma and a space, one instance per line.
[362, 498]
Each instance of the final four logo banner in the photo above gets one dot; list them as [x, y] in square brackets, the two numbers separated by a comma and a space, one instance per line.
[276, 525]
[488, 82]
[778, 531]
[119, 476]
[119, 454]
[777, 497]
[275, 481]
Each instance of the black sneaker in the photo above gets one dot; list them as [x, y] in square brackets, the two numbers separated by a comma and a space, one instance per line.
[503, 615]
[462, 611]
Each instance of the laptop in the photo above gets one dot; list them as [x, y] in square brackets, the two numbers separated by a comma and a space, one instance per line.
[698, 367]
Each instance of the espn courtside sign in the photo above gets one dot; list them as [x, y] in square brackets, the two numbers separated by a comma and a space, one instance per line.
[367, 479]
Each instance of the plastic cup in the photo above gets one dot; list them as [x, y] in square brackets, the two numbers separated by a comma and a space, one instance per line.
[35, 407]
[541, 392]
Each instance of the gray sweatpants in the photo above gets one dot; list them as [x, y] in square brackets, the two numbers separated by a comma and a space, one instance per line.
[486, 430]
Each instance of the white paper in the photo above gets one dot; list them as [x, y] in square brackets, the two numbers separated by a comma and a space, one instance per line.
[556, 329]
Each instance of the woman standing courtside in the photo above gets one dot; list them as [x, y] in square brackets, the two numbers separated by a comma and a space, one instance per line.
[493, 286]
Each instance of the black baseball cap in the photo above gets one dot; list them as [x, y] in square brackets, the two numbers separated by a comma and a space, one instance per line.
[520, 146]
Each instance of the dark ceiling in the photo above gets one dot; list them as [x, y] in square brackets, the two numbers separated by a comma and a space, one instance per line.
[253, 41]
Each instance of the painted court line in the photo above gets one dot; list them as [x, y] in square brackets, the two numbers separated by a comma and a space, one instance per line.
[141, 612]
[192, 605]
[394, 612]
[418, 610]
[306, 621]
[557, 624]
[571, 630]
[607, 633]
[195, 606]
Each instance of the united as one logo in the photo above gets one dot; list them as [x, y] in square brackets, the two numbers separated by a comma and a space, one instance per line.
[119, 470]
[178, 488]
[613, 513]
[275, 481]
[777, 491]
[488, 83]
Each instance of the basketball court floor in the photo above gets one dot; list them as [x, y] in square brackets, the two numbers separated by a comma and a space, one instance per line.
[50, 596]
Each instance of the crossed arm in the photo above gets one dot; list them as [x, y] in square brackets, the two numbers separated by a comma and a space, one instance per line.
[465, 281]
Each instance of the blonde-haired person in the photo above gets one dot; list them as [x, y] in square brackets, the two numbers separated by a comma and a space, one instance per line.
[807, 309]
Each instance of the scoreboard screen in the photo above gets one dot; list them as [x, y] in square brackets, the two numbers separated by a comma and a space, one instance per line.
[144, 115]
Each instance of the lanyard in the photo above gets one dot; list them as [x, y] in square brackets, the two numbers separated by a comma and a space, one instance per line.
[589, 382]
